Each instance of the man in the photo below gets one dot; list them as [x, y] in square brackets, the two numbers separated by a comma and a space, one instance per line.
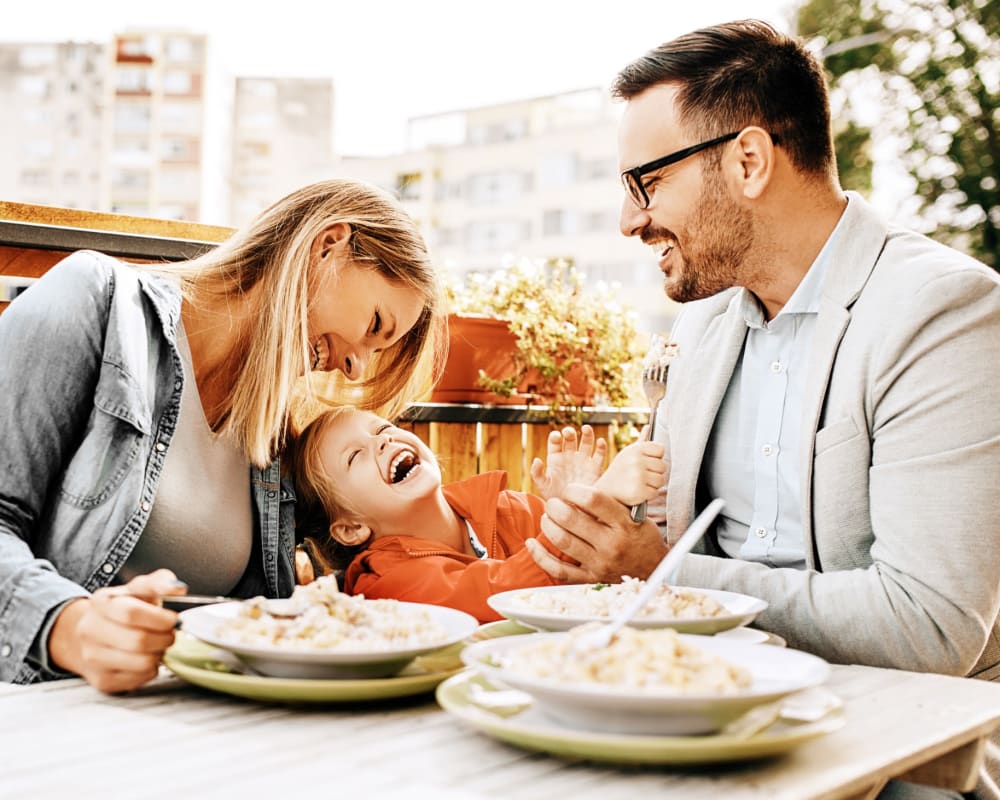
[836, 380]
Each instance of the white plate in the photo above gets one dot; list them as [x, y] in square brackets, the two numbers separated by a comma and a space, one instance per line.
[741, 609]
[748, 636]
[203, 623]
[776, 672]
[471, 698]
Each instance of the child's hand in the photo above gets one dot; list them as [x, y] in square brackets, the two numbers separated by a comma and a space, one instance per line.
[637, 473]
[569, 461]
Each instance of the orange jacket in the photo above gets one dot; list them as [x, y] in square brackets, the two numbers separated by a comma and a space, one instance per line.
[417, 570]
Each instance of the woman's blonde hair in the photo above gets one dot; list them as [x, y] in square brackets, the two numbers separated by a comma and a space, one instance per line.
[273, 255]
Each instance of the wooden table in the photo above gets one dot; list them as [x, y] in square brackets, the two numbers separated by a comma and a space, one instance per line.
[171, 740]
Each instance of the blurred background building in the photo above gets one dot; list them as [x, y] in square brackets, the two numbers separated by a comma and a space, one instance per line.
[154, 125]
[53, 96]
[282, 134]
[537, 178]
[147, 124]
[122, 128]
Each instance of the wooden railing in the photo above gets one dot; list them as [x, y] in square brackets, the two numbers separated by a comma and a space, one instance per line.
[468, 439]
[33, 238]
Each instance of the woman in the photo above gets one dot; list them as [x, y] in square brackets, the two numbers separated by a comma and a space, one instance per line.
[138, 399]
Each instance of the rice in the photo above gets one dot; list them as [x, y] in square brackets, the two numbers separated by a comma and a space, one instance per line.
[602, 600]
[661, 352]
[319, 617]
[647, 659]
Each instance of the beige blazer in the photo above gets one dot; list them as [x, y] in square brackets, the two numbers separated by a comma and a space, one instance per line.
[901, 468]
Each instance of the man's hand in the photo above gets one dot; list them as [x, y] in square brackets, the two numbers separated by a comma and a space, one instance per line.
[115, 638]
[636, 474]
[595, 529]
[569, 461]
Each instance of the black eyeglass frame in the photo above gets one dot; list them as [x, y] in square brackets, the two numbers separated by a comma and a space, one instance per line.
[632, 178]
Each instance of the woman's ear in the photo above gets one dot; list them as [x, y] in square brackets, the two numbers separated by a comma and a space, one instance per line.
[350, 534]
[331, 239]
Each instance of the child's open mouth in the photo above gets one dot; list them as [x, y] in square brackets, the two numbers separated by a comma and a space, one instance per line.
[402, 466]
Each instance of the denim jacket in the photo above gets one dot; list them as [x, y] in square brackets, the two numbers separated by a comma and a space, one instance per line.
[92, 381]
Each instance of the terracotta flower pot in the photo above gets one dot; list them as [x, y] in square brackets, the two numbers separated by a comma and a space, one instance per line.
[487, 344]
[476, 343]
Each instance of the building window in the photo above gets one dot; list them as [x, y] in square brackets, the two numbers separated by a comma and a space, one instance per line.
[558, 222]
[179, 81]
[496, 187]
[132, 118]
[135, 49]
[558, 169]
[35, 177]
[491, 236]
[132, 80]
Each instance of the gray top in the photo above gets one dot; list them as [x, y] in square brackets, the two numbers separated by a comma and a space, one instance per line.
[201, 524]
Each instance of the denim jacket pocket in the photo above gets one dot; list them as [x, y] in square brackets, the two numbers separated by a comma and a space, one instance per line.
[118, 424]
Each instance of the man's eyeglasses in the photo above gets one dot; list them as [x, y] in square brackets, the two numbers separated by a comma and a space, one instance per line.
[632, 178]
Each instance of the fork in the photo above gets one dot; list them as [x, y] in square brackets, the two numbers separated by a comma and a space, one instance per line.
[654, 386]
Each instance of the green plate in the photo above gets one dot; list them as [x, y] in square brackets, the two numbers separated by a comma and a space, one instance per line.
[208, 667]
[473, 699]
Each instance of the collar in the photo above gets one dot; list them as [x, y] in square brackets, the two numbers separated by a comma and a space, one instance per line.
[808, 294]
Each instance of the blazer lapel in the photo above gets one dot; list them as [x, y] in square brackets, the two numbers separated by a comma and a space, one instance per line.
[699, 398]
[856, 250]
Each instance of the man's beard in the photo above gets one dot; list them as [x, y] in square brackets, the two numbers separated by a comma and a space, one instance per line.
[718, 239]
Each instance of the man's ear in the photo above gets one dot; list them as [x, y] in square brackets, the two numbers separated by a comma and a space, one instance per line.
[754, 163]
[350, 534]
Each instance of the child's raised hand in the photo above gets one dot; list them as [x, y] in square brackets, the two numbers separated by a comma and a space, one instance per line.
[569, 460]
[637, 473]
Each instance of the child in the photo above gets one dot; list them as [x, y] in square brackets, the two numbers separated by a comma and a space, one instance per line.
[379, 509]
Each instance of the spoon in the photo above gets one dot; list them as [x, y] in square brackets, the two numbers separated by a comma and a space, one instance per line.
[601, 637]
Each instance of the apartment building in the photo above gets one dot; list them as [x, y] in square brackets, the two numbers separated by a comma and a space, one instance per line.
[536, 178]
[154, 124]
[51, 117]
[282, 139]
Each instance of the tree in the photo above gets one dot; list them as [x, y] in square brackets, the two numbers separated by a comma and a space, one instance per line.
[932, 69]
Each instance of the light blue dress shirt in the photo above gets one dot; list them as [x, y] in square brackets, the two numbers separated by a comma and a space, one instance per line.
[753, 453]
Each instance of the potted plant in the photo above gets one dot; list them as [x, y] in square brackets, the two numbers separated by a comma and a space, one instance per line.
[537, 333]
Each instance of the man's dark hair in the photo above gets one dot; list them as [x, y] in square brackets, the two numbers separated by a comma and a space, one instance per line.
[738, 74]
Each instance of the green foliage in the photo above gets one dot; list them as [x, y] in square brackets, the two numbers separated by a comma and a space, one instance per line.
[558, 322]
[935, 68]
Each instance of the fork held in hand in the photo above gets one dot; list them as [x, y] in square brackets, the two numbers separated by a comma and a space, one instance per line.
[654, 386]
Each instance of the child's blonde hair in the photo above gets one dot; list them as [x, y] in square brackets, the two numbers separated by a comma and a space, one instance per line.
[318, 503]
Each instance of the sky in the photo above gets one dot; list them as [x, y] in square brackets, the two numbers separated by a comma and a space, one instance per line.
[391, 60]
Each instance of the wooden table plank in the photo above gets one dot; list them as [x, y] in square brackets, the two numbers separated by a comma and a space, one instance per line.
[59, 737]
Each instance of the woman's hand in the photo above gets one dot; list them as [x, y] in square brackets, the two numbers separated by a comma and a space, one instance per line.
[569, 461]
[115, 638]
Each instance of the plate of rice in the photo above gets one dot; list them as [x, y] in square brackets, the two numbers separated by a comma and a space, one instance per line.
[645, 682]
[688, 610]
[321, 633]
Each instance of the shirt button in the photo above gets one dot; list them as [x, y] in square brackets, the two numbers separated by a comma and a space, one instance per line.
[160, 447]
[107, 569]
[767, 449]
[760, 533]
[777, 367]
[6, 650]
[145, 505]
